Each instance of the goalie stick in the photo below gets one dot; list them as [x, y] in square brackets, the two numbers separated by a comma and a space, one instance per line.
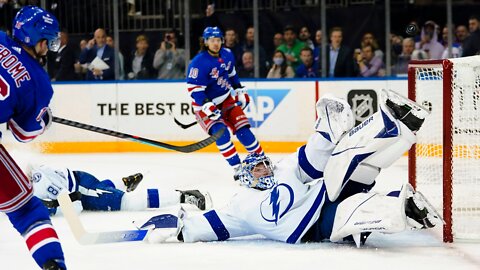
[89, 238]
[185, 126]
[184, 148]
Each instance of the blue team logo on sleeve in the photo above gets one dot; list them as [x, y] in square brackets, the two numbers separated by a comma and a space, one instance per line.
[263, 104]
[275, 206]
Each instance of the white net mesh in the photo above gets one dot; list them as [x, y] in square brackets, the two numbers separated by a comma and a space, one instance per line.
[465, 143]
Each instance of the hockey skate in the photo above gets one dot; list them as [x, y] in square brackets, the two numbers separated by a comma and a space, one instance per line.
[335, 117]
[51, 265]
[201, 200]
[131, 182]
[420, 213]
[407, 111]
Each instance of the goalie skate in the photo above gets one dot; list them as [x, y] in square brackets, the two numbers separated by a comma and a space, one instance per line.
[420, 213]
[201, 200]
[407, 111]
[335, 117]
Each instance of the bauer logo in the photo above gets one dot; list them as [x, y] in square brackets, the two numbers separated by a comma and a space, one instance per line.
[263, 104]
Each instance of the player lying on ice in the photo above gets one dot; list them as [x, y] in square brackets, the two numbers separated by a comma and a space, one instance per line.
[323, 190]
[89, 193]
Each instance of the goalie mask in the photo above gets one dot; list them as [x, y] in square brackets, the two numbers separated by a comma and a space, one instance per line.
[257, 172]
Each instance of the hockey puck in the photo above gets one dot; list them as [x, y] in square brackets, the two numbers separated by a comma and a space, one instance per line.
[411, 29]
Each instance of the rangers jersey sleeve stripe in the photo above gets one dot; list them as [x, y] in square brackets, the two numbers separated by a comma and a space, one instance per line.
[22, 135]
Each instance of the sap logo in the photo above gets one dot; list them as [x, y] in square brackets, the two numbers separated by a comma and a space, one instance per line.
[263, 103]
[275, 206]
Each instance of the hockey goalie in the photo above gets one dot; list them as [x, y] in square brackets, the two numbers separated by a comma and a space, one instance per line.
[323, 191]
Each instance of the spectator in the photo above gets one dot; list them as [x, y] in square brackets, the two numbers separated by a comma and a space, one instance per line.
[6, 15]
[308, 68]
[170, 60]
[318, 38]
[461, 33]
[401, 65]
[231, 42]
[318, 46]
[429, 41]
[396, 42]
[247, 69]
[471, 46]
[304, 36]
[140, 65]
[339, 57]
[278, 40]
[455, 46]
[211, 18]
[97, 47]
[369, 64]
[292, 46]
[81, 70]
[280, 69]
[473, 23]
[63, 68]
[120, 58]
[248, 46]
[369, 39]
[83, 44]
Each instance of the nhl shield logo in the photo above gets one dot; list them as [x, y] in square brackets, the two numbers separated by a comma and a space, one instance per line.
[363, 103]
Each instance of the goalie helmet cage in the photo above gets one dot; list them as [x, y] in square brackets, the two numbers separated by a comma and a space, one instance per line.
[445, 162]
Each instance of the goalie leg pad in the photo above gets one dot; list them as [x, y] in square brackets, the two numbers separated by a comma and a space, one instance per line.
[370, 212]
[360, 155]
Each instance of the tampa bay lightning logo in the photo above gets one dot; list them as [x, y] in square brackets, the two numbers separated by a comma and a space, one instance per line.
[275, 206]
[36, 177]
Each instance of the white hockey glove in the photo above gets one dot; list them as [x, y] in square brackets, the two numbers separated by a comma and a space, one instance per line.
[242, 97]
[211, 111]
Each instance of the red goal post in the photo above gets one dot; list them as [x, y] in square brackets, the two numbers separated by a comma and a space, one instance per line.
[445, 162]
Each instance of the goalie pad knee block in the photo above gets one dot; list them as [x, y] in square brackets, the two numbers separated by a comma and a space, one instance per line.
[370, 212]
[335, 118]
[374, 144]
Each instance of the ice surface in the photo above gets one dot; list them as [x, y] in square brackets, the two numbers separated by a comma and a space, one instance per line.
[408, 250]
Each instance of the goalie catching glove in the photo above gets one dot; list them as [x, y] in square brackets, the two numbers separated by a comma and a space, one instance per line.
[241, 97]
[211, 110]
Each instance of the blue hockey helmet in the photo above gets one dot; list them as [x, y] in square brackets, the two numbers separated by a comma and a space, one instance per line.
[210, 32]
[32, 24]
[257, 172]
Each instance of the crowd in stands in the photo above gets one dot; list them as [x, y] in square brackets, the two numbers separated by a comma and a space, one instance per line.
[296, 53]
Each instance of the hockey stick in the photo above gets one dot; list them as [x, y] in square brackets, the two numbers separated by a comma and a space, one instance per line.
[184, 148]
[185, 126]
[90, 238]
[74, 196]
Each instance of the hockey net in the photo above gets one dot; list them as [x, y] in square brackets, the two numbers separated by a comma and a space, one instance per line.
[445, 163]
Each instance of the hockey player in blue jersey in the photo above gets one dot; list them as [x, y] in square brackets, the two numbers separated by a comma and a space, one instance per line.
[25, 93]
[323, 191]
[211, 82]
[89, 193]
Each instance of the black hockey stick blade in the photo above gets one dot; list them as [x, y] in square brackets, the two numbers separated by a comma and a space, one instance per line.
[183, 148]
[185, 126]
